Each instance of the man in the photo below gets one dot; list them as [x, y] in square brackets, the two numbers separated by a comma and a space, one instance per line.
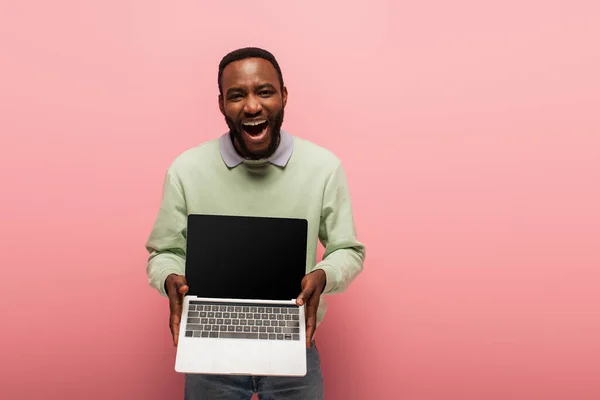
[257, 169]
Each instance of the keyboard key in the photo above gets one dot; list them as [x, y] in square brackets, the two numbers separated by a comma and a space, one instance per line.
[276, 310]
[204, 334]
[192, 308]
[287, 337]
[240, 328]
[280, 317]
[222, 328]
[231, 328]
[223, 308]
[203, 314]
[227, 322]
[193, 314]
[261, 310]
[189, 333]
[212, 321]
[243, 322]
[235, 321]
[193, 320]
[283, 310]
[263, 336]
[214, 334]
[288, 317]
[295, 318]
[251, 322]
[253, 309]
[295, 337]
[211, 314]
[266, 323]
[291, 330]
[220, 321]
[254, 328]
[193, 327]
[258, 323]
[278, 330]
[219, 314]
[264, 329]
[234, 315]
[198, 333]
[265, 316]
[245, 309]
[230, 308]
[215, 327]
[282, 323]
[294, 310]
[226, 315]
[272, 336]
[280, 336]
[238, 309]
[292, 324]
[238, 335]
[270, 329]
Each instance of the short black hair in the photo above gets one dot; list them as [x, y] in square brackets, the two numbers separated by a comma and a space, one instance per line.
[244, 53]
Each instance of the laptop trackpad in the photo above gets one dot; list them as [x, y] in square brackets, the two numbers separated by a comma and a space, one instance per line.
[242, 357]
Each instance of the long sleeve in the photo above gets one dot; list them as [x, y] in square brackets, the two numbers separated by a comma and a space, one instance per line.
[166, 244]
[344, 254]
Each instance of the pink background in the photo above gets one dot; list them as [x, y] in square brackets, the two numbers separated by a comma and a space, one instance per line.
[470, 131]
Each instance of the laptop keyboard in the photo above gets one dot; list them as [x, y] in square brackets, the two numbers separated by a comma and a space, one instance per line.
[242, 321]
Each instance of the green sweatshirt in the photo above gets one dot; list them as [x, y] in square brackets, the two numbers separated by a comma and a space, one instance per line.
[301, 180]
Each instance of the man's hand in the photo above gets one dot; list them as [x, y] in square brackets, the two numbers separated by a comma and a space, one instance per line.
[176, 288]
[312, 287]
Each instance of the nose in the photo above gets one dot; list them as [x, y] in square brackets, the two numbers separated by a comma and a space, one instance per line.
[252, 106]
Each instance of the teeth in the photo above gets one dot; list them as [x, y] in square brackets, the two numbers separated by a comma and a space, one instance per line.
[254, 123]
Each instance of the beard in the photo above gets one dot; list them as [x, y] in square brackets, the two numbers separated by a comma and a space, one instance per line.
[235, 133]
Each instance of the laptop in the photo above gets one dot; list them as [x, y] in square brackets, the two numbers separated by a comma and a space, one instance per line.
[240, 315]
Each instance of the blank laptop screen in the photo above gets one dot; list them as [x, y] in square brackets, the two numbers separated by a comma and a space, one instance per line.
[244, 257]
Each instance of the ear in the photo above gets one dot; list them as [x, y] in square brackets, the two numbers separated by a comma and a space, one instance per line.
[221, 104]
[284, 94]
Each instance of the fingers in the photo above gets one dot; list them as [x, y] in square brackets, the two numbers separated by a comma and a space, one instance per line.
[176, 289]
[310, 297]
[174, 324]
[312, 305]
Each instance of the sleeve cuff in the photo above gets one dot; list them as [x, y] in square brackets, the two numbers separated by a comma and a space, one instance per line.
[163, 279]
[331, 274]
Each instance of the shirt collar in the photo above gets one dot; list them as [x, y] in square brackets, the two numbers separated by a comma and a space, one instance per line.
[280, 158]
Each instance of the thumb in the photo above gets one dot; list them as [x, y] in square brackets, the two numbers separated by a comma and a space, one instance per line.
[304, 296]
[182, 288]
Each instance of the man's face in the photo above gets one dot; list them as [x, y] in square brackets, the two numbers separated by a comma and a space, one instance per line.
[252, 103]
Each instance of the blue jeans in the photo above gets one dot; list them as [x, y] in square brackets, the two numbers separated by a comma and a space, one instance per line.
[224, 387]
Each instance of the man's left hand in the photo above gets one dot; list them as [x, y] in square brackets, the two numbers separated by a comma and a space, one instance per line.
[312, 287]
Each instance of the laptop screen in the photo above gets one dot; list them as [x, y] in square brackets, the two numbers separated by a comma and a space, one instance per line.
[262, 258]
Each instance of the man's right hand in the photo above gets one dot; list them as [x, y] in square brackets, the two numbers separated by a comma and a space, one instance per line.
[177, 287]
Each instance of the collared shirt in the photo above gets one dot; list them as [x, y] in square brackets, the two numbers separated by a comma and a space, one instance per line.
[312, 187]
[280, 158]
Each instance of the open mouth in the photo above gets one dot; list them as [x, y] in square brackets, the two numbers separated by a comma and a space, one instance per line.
[255, 129]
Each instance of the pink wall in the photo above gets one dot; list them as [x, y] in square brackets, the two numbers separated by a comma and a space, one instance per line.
[471, 136]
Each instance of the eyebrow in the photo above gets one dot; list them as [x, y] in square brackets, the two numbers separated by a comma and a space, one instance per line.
[265, 85]
[259, 87]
